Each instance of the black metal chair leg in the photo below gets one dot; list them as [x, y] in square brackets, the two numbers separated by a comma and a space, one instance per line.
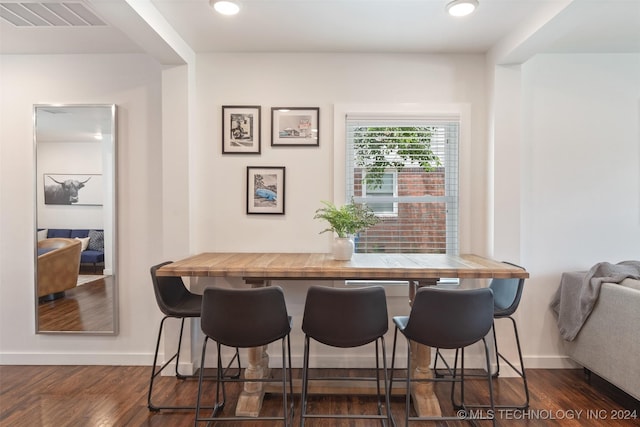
[497, 353]
[521, 372]
[408, 389]
[305, 381]
[220, 384]
[489, 380]
[155, 372]
[176, 356]
[217, 406]
[153, 369]
[386, 384]
[287, 407]
[380, 342]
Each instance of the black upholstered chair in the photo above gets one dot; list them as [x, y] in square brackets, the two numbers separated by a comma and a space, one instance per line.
[449, 319]
[345, 318]
[506, 299]
[174, 301]
[244, 318]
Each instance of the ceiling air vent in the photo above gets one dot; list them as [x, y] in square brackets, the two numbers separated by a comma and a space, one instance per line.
[49, 15]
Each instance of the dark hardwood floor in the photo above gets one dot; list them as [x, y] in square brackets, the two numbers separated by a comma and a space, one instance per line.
[88, 307]
[117, 396]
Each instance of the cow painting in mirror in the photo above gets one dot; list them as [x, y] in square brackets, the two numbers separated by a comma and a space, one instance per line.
[62, 192]
[75, 243]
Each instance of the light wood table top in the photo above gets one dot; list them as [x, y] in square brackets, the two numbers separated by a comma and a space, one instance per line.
[259, 269]
[322, 266]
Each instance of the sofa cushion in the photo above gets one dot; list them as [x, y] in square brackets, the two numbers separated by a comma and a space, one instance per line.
[91, 257]
[84, 241]
[79, 233]
[42, 234]
[96, 240]
[631, 283]
[59, 232]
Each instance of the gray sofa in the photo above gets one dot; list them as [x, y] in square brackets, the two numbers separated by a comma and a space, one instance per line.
[608, 343]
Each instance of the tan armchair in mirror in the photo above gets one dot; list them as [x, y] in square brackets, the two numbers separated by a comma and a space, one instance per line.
[58, 267]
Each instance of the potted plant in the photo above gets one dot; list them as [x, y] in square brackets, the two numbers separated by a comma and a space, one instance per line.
[345, 221]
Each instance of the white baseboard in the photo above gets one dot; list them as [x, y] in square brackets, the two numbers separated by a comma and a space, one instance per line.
[114, 359]
[331, 361]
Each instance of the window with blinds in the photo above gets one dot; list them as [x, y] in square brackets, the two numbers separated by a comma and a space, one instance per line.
[406, 170]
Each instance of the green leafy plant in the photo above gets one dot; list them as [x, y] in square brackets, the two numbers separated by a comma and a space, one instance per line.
[346, 220]
[378, 149]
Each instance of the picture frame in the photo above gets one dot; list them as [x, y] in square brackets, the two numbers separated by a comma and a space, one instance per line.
[241, 129]
[265, 190]
[295, 126]
[72, 189]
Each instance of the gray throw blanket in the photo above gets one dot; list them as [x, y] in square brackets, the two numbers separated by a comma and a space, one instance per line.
[577, 295]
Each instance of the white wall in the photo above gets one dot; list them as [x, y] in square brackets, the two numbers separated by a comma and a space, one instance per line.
[133, 82]
[580, 192]
[64, 158]
[217, 191]
[324, 81]
[579, 158]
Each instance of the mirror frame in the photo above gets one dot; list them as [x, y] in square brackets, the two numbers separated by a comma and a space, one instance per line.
[113, 223]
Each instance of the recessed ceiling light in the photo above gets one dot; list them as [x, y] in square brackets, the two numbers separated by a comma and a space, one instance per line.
[461, 7]
[225, 7]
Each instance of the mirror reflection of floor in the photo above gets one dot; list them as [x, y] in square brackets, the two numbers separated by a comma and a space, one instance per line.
[88, 278]
[87, 308]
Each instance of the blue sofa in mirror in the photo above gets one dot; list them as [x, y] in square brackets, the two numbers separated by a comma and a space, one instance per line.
[92, 242]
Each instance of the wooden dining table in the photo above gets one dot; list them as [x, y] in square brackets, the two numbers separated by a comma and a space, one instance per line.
[260, 269]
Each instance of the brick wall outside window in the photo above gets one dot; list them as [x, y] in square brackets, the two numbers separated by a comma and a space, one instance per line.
[418, 227]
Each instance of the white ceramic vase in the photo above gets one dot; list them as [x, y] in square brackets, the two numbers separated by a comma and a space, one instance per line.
[343, 248]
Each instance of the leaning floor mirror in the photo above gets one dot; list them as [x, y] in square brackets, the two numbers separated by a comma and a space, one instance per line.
[75, 230]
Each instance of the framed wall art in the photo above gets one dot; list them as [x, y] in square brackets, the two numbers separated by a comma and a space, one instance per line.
[295, 126]
[241, 129]
[72, 189]
[265, 189]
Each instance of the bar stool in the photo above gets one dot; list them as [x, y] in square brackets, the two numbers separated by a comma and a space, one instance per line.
[174, 301]
[506, 296]
[346, 318]
[450, 319]
[244, 318]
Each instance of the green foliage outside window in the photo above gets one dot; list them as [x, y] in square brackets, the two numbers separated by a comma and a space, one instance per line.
[378, 149]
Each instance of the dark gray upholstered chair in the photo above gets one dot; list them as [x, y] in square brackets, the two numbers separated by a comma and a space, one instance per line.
[506, 298]
[244, 318]
[450, 319]
[174, 301]
[345, 318]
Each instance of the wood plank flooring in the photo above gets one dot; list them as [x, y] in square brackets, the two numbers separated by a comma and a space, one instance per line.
[103, 396]
[88, 307]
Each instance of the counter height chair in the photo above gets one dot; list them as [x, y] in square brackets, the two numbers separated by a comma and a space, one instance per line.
[174, 301]
[346, 318]
[450, 319]
[506, 299]
[244, 318]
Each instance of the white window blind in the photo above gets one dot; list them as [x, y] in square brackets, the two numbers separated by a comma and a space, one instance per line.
[406, 170]
[385, 189]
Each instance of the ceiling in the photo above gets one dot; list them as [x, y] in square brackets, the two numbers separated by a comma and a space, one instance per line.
[77, 123]
[164, 27]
